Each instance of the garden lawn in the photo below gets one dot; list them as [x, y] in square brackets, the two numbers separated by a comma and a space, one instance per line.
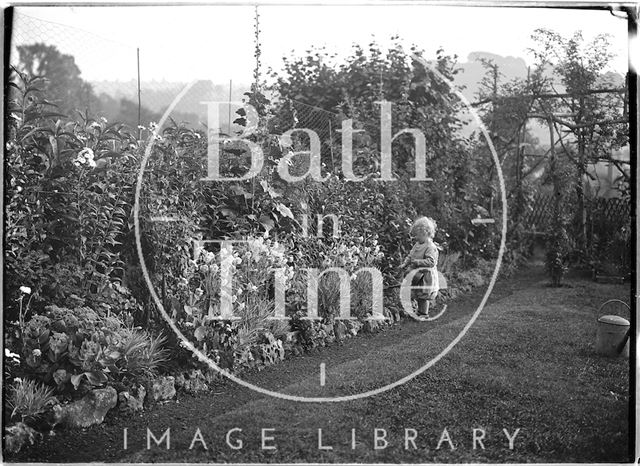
[527, 363]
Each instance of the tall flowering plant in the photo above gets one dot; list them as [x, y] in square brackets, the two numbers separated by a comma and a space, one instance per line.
[244, 277]
[347, 253]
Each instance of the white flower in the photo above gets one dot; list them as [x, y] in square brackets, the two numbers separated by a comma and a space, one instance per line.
[87, 156]
[25, 289]
[17, 380]
[36, 352]
[19, 188]
[9, 354]
[86, 153]
[103, 119]
[153, 125]
[95, 124]
[141, 127]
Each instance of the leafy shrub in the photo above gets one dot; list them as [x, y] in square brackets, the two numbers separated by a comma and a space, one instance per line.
[610, 248]
[68, 200]
[85, 349]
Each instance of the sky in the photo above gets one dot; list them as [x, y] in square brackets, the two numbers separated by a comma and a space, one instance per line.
[184, 43]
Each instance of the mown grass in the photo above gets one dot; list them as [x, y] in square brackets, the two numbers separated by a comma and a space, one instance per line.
[527, 363]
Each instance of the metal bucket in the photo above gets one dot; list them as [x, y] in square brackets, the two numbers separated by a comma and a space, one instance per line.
[612, 336]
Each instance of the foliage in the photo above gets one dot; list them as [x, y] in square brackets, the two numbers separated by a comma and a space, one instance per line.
[419, 100]
[596, 120]
[70, 218]
[244, 277]
[79, 348]
[505, 112]
[143, 353]
[611, 243]
[596, 123]
[29, 400]
[347, 253]
[68, 201]
[558, 245]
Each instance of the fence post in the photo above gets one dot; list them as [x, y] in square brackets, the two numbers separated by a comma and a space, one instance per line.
[139, 98]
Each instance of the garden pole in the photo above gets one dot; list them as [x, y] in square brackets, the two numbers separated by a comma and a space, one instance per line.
[229, 118]
[139, 100]
[333, 167]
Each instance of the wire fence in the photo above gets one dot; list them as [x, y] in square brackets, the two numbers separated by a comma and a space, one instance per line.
[120, 94]
[323, 122]
[123, 91]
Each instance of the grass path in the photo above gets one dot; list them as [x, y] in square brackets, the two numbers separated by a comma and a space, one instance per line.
[527, 363]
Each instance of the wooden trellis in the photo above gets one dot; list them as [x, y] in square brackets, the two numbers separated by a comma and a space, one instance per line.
[614, 211]
[540, 213]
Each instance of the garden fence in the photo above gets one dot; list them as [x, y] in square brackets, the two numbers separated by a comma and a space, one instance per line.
[612, 211]
[608, 227]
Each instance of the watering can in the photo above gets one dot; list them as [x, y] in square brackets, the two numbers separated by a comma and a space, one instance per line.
[613, 333]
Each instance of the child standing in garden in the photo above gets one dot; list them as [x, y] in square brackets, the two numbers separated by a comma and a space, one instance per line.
[424, 256]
